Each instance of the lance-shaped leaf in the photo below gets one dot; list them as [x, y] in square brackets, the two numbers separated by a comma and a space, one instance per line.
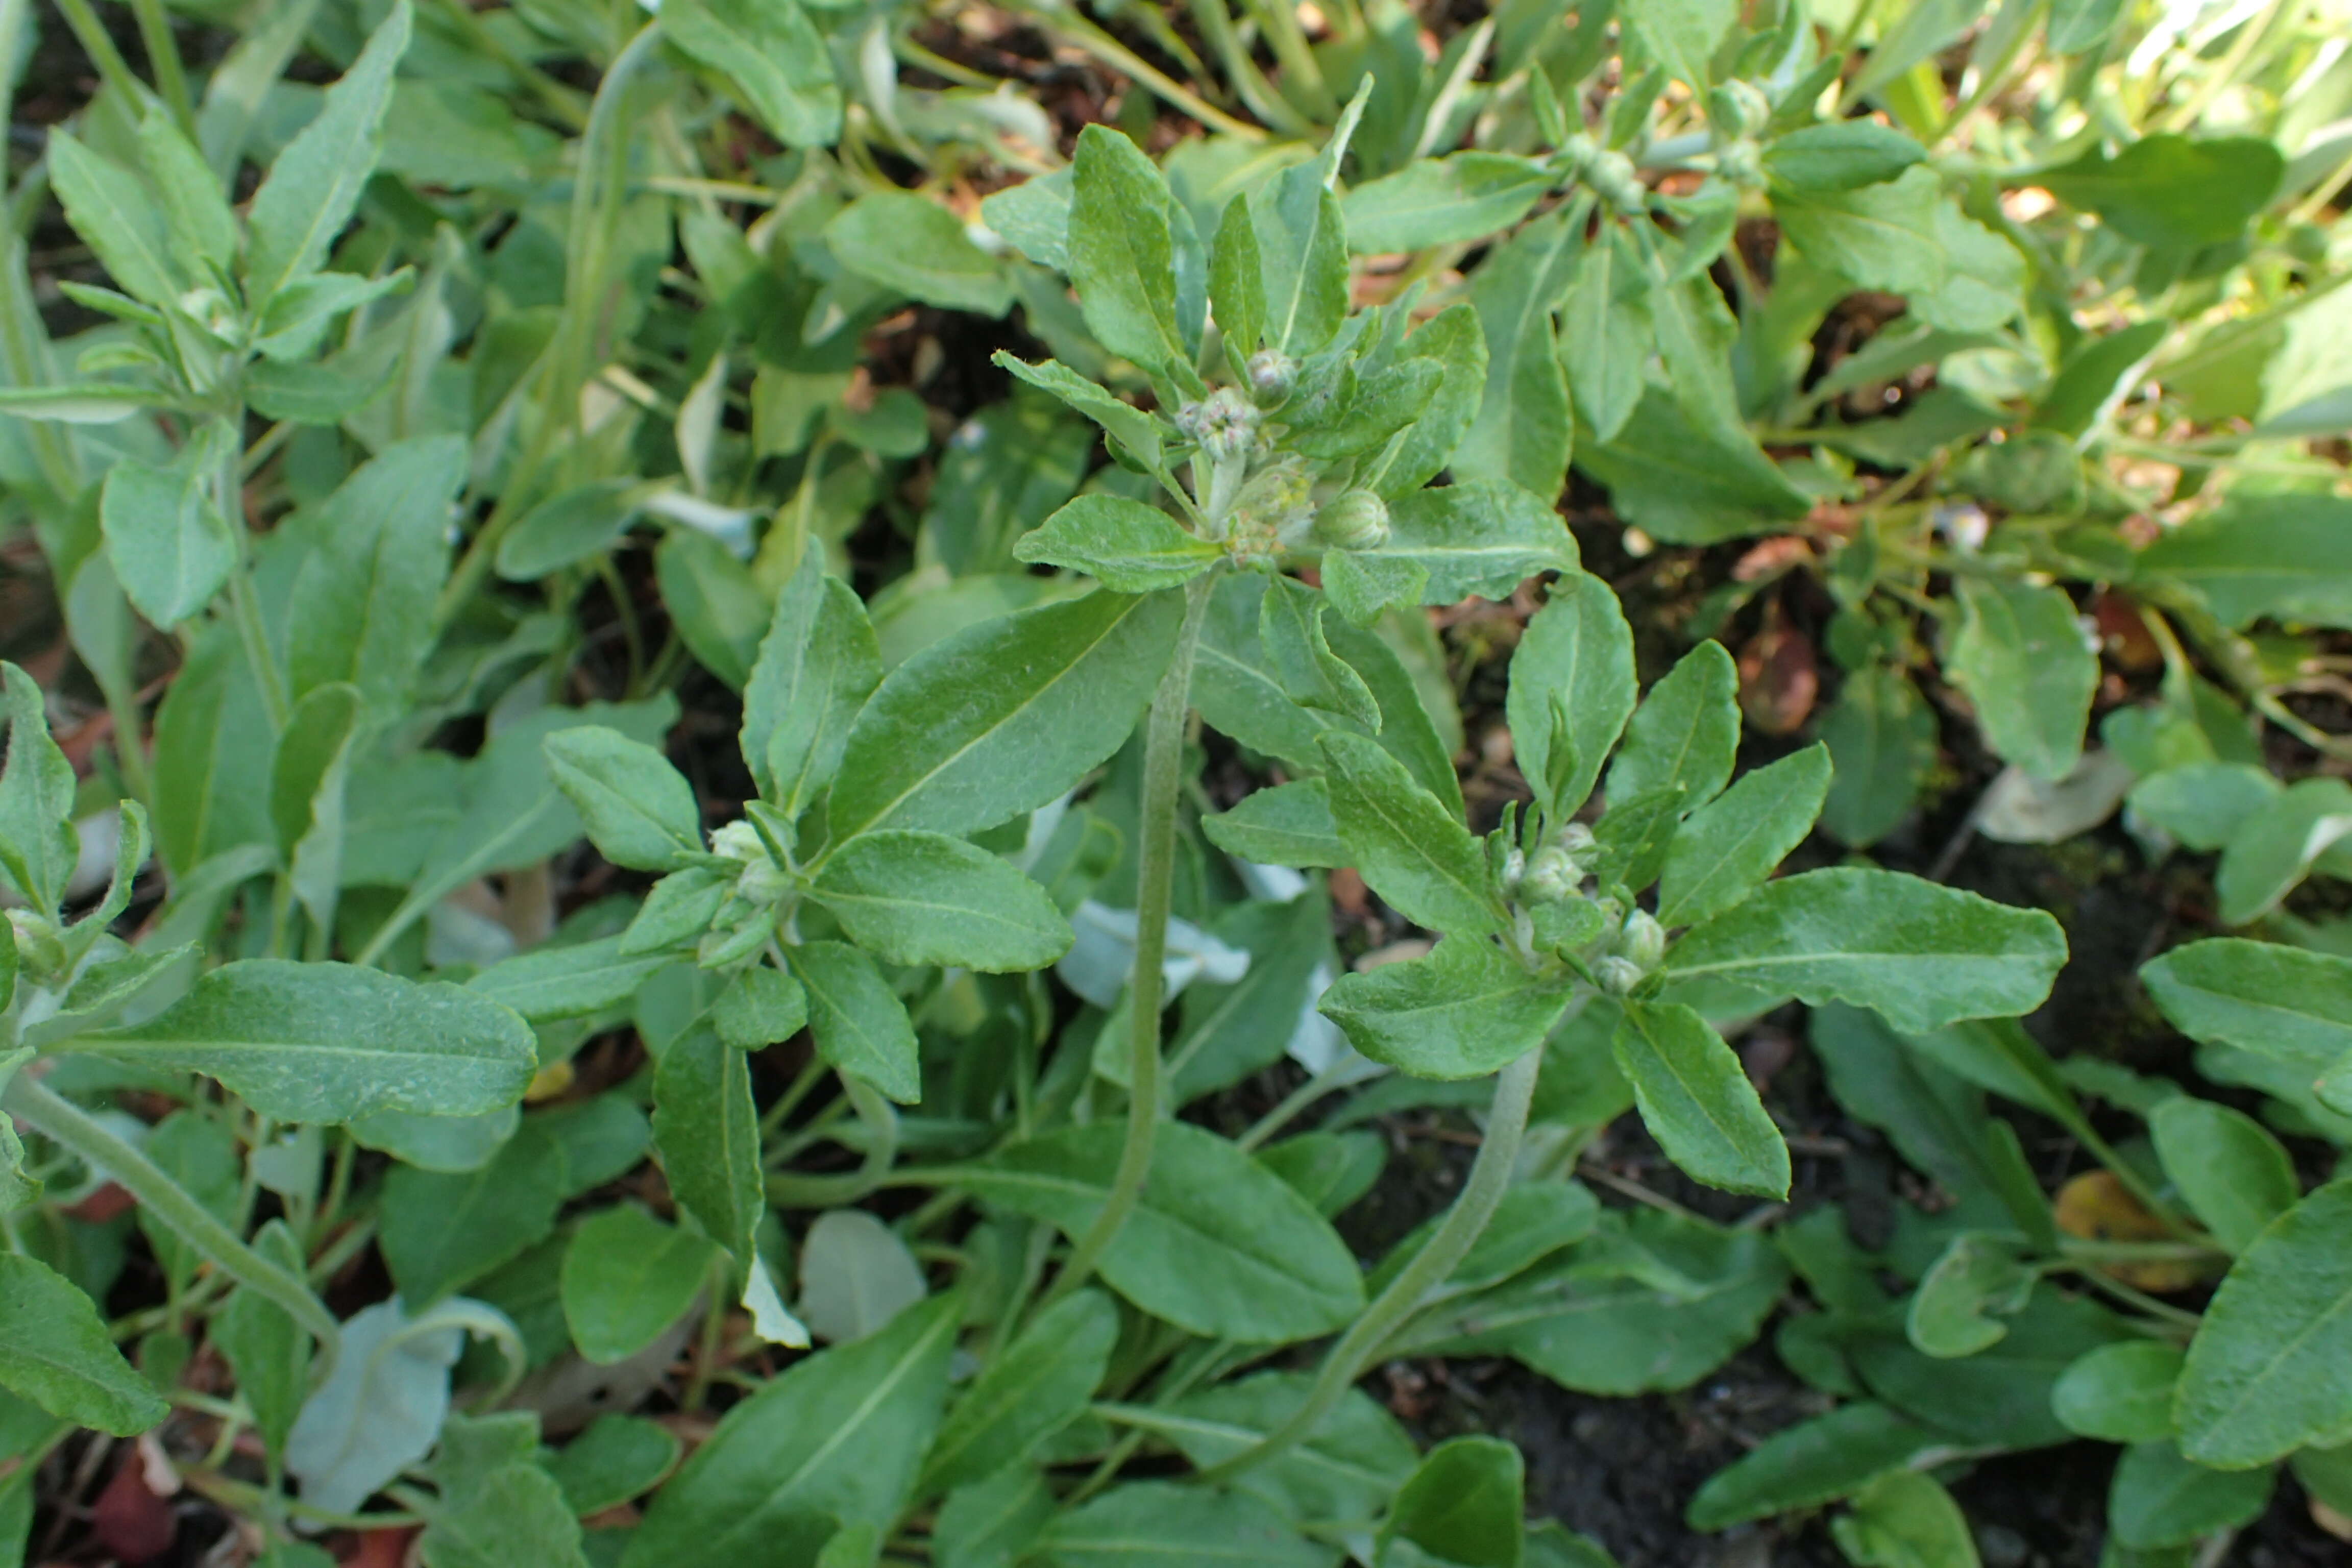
[1125, 545]
[1465, 1504]
[707, 1132]
[171, 547]
[1697, 1100]
[1288, 824]
[1217, 1244]
[1290, 629]
[924, 897]
[1000, 719]
[55, 1351]
[314, 185]
[1812, 1463]
[626, 1278]
[2021, 656]
[1920, 955]
[639, 810]
[835, 1441]
[1442, 201]
[1159, 1521]
[2271, 1368]
[1412, 851]
[1572, 690]
[114, 213]
[1731, 844]
[1464, 1011]
[817, 665]
[331, 1042]
[566, 981]
[773, 60]
[2287, 1002]
[1483, 538]
[2120, 1392]
[1686, 730]
[38, 845]
[2230, 1171]
[1303, 256]
[1039, 1384]
[860, 1026]
[1121, 251]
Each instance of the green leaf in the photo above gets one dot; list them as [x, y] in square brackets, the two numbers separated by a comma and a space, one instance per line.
[1840, 155]
[1686, 731]
[1572, 690]
[1905, 1519]
[1881, 742]
[1237, 286]
[365, 598]
[1228, 1031]
[2271, 1367]
[2287, 556]
[2120, 1392]
[1682, 35]
[267, 1348]
[2273, 850]
[1686, 483]
[856, 1276]
[817, 666]
[1606, 334]
[1655, 1301]
[1412, 851]
[171, 547]
[92, 403]
[915, 246]
[1731, 844]
[1453, 342]
[1483, 538]
[1121, 252]
[2287, 1002]
[1287, 825]
[117, 217]
[55, 1351]
[1465, 1504]
[719, 610]
[1130, 428]
[708, 1133]
[834, 1442]
[306, 778]
[1302, 250]
[311, 189]
[1812, 1463]
[2173, 192]
[858, 1022]
[1996, 1398]
[924, 897]
[998, 719]
[762, 1007]
[1030, 1390]
[2203, 805]
[441, 1231]
[1922, 956]
[1156, 1521]
[1217, 1245]
[494, 1514]
[1291, 632]
[2021, 656]
[1524, 431]
[567, 527]
[1876, 236]
[1442, 201]
[640, 811]
[1349, 1468]
[1697, 1100]
[2229, 1170]
[38, 846]
[991, 1523]
[1974, 1283]
[617, 1459]
[331, 1042]
[2161, 1498]
[1126, 546]
[626, 1278]
[2097, 377]
[773, 58]
[1463, 1010]
[572, 981]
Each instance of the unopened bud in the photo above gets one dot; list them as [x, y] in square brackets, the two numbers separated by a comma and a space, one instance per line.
[1552, 875]
[1272, 374]
[1613, 178]
[1224, 423]
[1749, 109]
[762, 880]
[1618, 976]
[1741, 163]
[1357, 520]
[1642, 939]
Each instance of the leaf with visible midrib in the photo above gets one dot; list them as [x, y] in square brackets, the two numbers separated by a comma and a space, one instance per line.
[55, 1351]
[1001, 718]
[1698, 1102]
[330, 1042]
[1406, 845]
[2271, 1368]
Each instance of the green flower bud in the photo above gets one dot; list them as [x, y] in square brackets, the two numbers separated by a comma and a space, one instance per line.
[1642, 939]
[1748, 110]
[1272, 376]
[1741, 163]
[762, 880]
[1614, 179]
[1357, 520]
[1552, 875]
[1224, 423]
[1618, 976]
[39, 949]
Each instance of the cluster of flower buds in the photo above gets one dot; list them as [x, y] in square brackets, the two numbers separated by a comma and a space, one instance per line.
[1556, 870]
[1636, 949]
[1354, 520]
[1225, 424]
[1610, 172]
[1273, 512]
[761, 880]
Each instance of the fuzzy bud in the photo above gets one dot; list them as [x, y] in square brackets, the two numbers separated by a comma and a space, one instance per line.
[1750, 110]
[1614, 179]
[1272, 376]
[1741, 162]
[1356, 520]
[1642, 939]
[1618, 976]
[762, 880]
[1224, 423]
[1515, 868]
[1552, 875]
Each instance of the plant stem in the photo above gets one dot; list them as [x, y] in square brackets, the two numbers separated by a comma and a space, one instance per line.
[1490, 1177]
[99, 45]
[1164, 767]
[163, 61]
[65, 1124]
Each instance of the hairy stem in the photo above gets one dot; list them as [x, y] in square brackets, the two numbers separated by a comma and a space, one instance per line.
[1164, 767]
[65, 1124]
[1490, 1177]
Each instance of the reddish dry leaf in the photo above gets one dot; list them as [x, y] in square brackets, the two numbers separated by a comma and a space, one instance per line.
[129, 1520]
[1779, 679]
